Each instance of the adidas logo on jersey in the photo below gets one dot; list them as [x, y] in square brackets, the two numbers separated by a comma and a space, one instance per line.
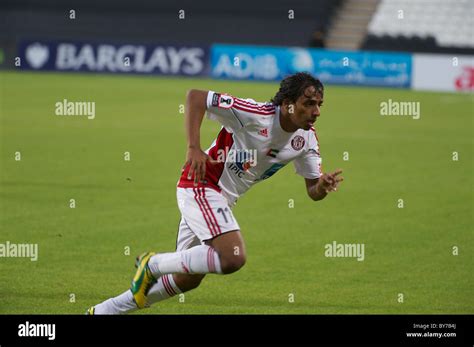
[263, 132]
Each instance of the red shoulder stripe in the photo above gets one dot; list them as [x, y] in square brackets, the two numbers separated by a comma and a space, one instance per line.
[256, 111]
[251, 105]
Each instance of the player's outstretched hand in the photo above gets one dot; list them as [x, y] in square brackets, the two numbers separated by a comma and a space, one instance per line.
[196, 159]
[330, 181]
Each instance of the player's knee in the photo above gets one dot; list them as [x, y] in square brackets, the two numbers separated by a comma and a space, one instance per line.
[232, 263]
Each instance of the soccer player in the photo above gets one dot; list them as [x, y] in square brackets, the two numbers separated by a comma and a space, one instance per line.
[255, 141]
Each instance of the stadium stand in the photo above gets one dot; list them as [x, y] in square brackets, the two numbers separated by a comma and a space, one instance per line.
[349, 25]
[259, 22]
[437, 26]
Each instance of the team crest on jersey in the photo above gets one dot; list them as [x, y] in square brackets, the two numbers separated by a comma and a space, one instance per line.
[222, 100]
[297, 143]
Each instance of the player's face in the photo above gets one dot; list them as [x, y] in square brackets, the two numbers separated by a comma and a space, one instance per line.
[306, 109]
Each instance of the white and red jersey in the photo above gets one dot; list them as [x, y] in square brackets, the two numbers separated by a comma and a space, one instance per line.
[251, 146]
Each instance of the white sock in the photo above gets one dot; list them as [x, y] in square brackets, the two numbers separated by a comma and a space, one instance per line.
[196, 260]
[121, 304]
[163, 289]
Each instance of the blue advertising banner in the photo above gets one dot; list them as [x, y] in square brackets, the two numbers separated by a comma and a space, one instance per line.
[114, 58]
[337, 67]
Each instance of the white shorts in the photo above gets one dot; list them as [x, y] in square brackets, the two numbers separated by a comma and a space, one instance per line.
[205, 214]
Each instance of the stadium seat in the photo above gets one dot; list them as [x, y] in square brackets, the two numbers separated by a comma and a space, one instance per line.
[422, 26]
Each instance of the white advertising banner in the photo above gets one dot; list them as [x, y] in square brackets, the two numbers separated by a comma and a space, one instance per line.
[454, 73]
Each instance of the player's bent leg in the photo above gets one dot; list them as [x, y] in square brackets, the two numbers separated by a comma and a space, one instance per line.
[201, 259]
[178, 272]
[163, 275]
[222, 254]
[231, 249]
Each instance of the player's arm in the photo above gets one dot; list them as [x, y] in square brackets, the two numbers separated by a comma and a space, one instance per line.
[195, 109]
[318, 188]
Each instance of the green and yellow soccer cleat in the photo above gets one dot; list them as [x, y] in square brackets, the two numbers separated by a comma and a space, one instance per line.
[143, 279]
[90, 311]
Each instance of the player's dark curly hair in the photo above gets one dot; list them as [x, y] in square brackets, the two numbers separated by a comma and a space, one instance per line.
[292, 87]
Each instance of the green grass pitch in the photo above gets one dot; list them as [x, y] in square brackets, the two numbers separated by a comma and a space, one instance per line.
[121, 204]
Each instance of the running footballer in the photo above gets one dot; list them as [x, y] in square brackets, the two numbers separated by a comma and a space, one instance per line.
[255, 141]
